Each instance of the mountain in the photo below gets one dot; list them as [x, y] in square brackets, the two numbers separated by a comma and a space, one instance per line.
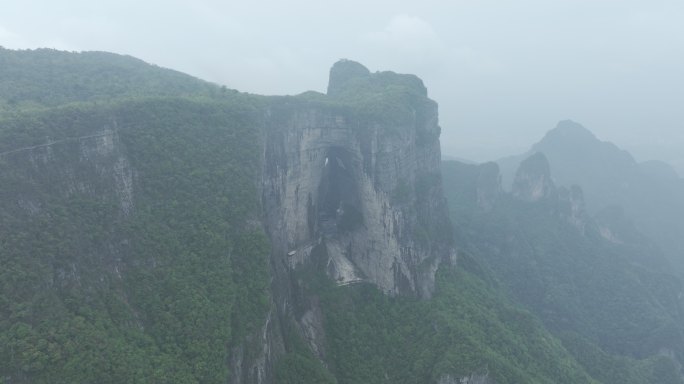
[158, 228]
[615, 305]
[153, 230]
[47, 78]
[359, 175]
[651, 193]
[120, 262]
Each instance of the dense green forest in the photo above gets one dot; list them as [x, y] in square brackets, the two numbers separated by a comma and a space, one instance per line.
[47, 78]
[468, 328]
[614, 302]
[102, 282]
[94, 294]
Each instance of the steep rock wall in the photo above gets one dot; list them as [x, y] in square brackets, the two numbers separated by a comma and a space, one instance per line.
[363, 192]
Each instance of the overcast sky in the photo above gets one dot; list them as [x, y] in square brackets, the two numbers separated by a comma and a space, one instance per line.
[503, 72]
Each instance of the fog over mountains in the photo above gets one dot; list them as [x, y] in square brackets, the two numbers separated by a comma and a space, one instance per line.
[155, 227]
[650, 193]
[503, 73]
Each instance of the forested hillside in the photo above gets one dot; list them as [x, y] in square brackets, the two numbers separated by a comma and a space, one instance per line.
[147, 235]
[105, 283]
[615, 305]
[651, 193]
[47, 78]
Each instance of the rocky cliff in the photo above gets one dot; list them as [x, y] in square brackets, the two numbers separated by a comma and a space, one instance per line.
[362, 191]
[533, 179]
[119, 223]
[350, 187]
[346, 183]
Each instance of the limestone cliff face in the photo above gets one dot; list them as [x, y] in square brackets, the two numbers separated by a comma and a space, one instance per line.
[572, 207]
[533, 179]
[93, 165]
[359, 195]
[351, 185]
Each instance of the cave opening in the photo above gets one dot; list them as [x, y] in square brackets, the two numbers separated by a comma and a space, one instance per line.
[339, 208]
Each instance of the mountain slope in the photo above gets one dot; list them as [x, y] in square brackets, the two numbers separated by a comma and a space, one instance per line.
[153, 231]
[119, 262]
[651, 193]
[614, 300]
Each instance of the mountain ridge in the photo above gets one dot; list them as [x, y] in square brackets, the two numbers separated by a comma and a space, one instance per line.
[651, 193]
[215, 236]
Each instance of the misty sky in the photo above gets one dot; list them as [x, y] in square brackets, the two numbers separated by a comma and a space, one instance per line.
[504, 72]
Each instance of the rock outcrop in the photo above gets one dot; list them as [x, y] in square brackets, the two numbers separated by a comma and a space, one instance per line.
[572, 207]
[349, 184]
[362, 191]
[533, 179]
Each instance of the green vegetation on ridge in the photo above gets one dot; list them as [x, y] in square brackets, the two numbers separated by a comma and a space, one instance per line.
[157, 294]
[466, 329]
[606, 300]
[131, 248]
[47, 78]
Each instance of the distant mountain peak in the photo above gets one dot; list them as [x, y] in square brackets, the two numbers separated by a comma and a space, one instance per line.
[568, 132]
[569, 125]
